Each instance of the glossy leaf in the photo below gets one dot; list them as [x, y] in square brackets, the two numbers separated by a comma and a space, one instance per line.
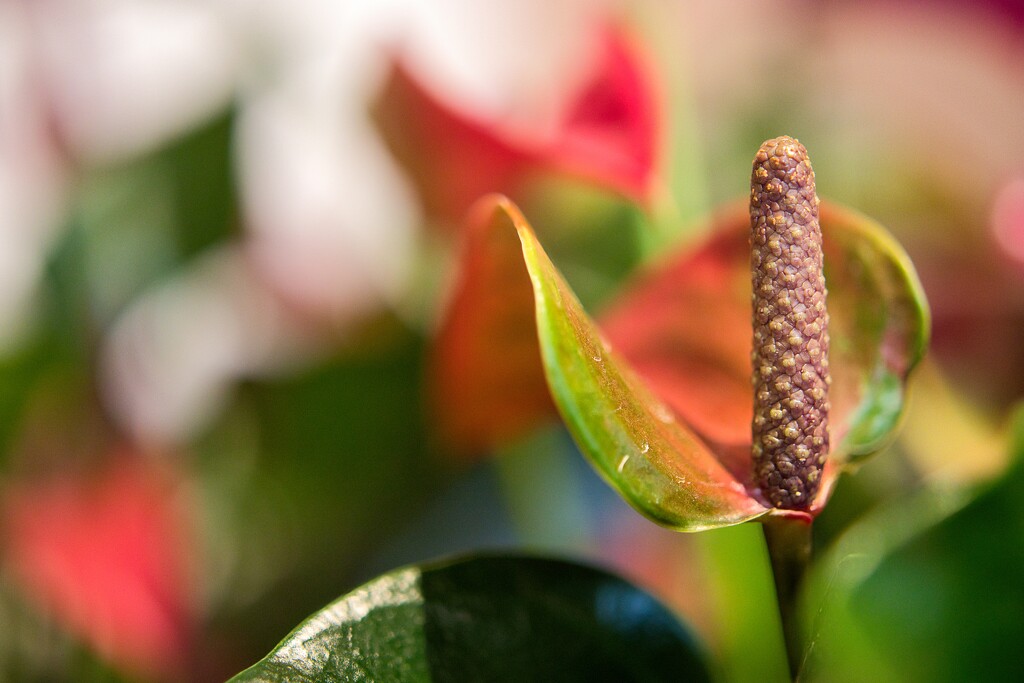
[656, 463]
[488, 619]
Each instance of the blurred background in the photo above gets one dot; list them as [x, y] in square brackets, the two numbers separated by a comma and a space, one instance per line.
[227, 231]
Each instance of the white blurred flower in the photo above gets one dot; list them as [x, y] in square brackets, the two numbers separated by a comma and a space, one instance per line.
[31, 175]
[171, 359]
[330, 221]
[331, 226]
[125, 76]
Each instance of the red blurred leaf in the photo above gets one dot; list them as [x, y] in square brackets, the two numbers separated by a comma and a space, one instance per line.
[452, 158]
[608, 136]
[108, 557]
[487, 380]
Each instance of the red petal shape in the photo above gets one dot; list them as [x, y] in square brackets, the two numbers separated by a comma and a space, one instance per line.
[609, 136]
[611, 133]
[108, 559]
[685, 326]
[487, 383]
[452, 158]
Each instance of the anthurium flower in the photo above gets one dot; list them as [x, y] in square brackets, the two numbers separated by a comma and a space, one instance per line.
[607, 134]
[659, 398]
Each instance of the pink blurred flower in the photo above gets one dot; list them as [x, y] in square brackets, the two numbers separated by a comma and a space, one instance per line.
[1008, 220]
[109, 557]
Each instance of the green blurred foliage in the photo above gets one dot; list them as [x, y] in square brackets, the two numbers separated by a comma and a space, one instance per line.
[961, 584]
[927, 587]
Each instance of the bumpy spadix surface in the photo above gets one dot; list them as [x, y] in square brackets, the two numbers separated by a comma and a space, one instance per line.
[790, 353]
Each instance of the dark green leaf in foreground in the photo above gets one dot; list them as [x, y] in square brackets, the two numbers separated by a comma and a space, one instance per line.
[488, 619]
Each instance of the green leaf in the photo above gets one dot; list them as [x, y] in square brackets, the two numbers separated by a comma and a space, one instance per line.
[488, 619]
[880, 324]
[200, 171]
[655, 462]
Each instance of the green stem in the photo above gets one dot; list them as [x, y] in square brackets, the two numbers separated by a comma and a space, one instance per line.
[789, 548]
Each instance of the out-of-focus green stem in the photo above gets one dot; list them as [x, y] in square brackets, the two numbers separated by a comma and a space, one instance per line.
[789, 548]
[748, 643]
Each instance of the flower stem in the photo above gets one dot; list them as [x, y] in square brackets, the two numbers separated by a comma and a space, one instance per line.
[789, 548]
